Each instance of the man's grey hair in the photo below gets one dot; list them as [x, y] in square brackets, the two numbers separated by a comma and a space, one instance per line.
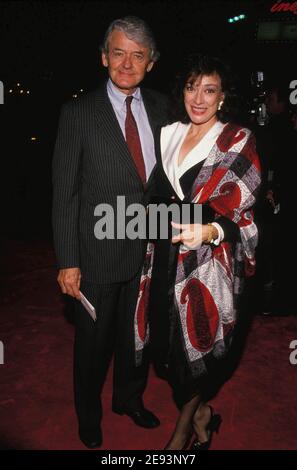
[136, 30]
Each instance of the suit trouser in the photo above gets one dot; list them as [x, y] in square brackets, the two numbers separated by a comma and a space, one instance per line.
[94, 344]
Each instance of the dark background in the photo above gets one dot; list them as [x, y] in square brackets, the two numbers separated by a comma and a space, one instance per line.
[52, 50]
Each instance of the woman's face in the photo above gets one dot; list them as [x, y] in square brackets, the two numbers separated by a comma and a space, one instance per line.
[202, 96]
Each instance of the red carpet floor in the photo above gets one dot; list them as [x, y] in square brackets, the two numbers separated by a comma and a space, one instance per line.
[257, 404]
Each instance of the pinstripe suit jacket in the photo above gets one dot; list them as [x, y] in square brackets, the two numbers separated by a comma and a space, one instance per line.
[92, 165]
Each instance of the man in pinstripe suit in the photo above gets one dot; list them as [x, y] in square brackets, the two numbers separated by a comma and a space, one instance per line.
[92, 164]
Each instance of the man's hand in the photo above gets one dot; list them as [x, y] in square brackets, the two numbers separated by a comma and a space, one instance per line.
[69, 281]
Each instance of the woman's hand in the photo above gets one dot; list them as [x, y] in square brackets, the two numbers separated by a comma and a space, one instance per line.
[192, 235]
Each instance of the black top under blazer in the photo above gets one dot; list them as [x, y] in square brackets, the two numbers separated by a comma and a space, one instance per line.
[92, 165]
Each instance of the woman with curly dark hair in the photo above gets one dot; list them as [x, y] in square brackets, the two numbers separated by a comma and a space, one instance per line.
[191, 282]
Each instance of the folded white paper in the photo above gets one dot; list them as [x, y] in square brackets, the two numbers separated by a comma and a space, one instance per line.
[88, 306]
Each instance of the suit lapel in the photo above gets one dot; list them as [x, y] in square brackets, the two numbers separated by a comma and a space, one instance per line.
[151, 109]
[111, 131]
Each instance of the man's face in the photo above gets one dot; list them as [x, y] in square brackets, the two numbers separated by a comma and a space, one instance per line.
[127, 62]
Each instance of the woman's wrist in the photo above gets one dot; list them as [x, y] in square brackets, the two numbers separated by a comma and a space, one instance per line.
[211, 233]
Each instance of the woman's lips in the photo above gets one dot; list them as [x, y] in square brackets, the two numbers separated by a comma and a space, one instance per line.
[198, 111]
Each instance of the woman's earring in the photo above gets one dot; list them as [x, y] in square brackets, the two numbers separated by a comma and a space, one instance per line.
[220, 105]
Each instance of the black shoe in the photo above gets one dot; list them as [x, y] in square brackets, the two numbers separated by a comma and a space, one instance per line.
[141, 417]
[213, 426]
[91, 439]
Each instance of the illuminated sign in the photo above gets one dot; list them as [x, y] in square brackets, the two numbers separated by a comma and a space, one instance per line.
[277, 31]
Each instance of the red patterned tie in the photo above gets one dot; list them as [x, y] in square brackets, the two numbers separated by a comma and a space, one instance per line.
[133, 140]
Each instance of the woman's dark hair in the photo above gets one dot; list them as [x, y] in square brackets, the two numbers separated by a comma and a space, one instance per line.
[197, 65]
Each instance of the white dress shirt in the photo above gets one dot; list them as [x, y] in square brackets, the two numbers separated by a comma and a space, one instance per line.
[118, 101]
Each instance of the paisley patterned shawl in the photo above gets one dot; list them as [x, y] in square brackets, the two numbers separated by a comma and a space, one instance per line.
[209, 279]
